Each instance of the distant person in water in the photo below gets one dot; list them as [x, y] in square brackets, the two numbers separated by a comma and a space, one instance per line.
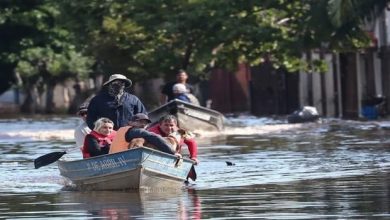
[82, 130]
[167, 90]
[99, 140]
[114, 102]
[135, 135]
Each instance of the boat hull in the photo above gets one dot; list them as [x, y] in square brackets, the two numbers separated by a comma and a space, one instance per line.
[292, 119]
[190, 117]
[135, 169]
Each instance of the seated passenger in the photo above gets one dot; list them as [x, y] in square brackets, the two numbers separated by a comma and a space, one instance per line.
[167, 127]
[99, 140]
[180, 92]
[135, 135]
[82, 130]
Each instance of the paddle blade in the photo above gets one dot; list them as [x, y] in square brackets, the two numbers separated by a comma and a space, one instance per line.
[48, 159]
[192, 174]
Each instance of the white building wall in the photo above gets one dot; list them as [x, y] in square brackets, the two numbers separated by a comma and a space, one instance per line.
[339, 94]
[330, 87]
[378, 74]
[303, 86]
[361, 80]
[384, 37]
[316, 87]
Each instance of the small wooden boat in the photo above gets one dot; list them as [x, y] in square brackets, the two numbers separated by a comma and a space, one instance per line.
[294, 118]
[135, 169]
[190, 117]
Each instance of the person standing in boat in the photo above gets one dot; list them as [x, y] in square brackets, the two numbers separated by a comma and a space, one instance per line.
[167, 90]
[167, 127]
[135, 135]
[114, 102]
[82, 130]
[99, 140]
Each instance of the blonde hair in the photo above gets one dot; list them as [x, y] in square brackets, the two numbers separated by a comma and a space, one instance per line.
[100, 122]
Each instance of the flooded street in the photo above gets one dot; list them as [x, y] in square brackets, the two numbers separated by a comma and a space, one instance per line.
[257, 168]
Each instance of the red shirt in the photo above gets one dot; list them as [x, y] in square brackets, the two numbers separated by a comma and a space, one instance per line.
[101, 143]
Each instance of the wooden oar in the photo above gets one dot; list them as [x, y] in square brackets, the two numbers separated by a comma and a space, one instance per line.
[48, 159]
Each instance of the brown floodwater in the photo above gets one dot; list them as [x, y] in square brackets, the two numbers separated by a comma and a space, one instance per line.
[334, 170]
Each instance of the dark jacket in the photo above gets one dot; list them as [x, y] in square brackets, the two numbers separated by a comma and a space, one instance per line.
[104, 105]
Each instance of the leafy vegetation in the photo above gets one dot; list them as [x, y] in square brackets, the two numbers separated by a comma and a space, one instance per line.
[46, 42]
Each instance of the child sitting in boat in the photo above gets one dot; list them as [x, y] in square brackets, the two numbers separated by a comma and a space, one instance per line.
[99, 140]
[180, 92]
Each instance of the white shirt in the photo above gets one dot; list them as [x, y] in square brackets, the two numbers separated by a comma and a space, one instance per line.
[80, 132]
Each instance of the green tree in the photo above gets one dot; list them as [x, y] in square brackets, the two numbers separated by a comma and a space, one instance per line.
[149, 38]
[144, 39]
[40, 51]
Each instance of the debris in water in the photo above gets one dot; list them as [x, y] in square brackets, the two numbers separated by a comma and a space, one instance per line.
[230, 163]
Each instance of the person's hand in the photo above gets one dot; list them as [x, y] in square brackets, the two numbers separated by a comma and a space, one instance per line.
[176, 137]
[185, 134]
[195, 159]
[179, 159]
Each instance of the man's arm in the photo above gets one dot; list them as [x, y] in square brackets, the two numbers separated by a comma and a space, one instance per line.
[192, 148]
[79, 137]
[134, 103]
[91, 114]
[165, 91]
[190, 88]
[140, 107]
[163, 99]
[149, 137]
[94, 148]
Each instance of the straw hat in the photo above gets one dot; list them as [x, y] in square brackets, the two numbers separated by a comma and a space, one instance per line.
[119, 77]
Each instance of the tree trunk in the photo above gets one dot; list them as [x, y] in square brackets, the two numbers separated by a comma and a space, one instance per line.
[49, 107]
[32, 100]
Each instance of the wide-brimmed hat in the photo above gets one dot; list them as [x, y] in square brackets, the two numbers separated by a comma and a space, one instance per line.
[119, 77]
[140, 116]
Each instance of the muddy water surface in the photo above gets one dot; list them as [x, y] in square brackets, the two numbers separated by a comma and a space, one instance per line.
[334, 170]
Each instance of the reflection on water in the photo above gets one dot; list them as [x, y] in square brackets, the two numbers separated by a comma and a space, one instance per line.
[334, 170]
[119, 205]
[182, 204]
